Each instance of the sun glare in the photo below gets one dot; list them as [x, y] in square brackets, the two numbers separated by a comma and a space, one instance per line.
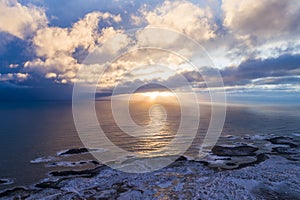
[156, 94]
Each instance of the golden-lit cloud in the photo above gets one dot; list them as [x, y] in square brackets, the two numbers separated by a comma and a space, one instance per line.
[21, 21]
[234, 34]
[17, 77]
[183, 16]
[55, 46]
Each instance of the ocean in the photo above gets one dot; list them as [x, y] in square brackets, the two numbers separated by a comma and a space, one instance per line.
[35, 136]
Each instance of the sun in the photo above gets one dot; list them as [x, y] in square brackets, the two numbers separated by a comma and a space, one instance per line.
[156, 94]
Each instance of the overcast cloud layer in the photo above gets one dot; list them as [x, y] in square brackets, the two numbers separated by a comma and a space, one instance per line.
[254, 44]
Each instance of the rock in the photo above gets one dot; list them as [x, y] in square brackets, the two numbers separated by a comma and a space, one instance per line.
[181, 158]
[236, 162]
[230, 164]
[284, 141]
[259, 158]
[285, 150]
[131, 194]
[95, 162]
[74, 151]
[105, 194]
[88, 172]
[280, 192]
[234, 151]
[48, 184]
[3, 181]
[16, 193]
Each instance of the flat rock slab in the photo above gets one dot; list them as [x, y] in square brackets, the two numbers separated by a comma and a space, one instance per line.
[234, 151]
[284, 141]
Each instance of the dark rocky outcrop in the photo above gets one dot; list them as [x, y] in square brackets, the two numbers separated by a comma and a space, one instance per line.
[284, 141]
[4, 181]
[85, 173]
[74, 151]
[17, 193]
[234, 151]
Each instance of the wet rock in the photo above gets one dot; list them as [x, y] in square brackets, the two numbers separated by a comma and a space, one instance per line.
[181, 158]
[4, 181]
[105, 194]
[280, 192]
[120, 187]
[285, 150]
[74, 151]
[235, 162]
[230, 164]
[283, 141]
[16, 193]
[88, 172]
[48, 184]
[132, 194]
[259, 158]
[234, 151]
[95, 162]
[68, 195]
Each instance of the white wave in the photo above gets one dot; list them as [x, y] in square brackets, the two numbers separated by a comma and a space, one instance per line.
[44, 159]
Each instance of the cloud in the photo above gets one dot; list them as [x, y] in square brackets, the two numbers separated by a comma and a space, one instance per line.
[281, 74]
[259, 40]
[285, 65]
[142, 64]
[260, 20]
[48, 41]
[291, 80]
[136, 20]
[14, 77]
[56, 47]
[256, 29]
[12, 66]
[50, 75]
[21, 21]
[182, 16]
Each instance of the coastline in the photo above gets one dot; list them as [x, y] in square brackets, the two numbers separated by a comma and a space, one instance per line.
[244, 171]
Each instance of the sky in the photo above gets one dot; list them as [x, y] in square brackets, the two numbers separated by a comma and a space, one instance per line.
[253, 45]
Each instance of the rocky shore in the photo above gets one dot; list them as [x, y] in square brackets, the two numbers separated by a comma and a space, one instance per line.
[253, 168]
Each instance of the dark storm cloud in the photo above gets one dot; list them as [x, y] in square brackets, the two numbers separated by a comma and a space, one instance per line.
[285, 65]
[284, 69]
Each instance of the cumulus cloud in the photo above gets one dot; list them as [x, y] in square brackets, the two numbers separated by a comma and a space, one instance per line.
[256, 29]
[21, 21]
[12, 66]
[142, 65]
[259, 38]
[183, 16]
[55, 46]
[258, 20]
[136, 20]
[15, 77]
[50, 75]
[51, 41]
